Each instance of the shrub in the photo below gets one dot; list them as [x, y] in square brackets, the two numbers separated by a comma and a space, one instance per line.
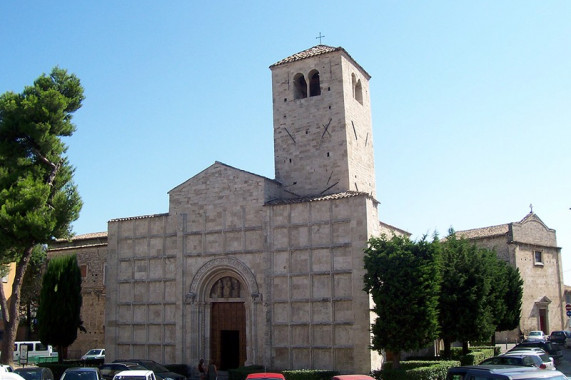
[241, 373]
[416, 370]
[309, 374]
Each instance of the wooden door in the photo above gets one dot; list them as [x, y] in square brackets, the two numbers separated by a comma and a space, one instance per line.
[228, 334]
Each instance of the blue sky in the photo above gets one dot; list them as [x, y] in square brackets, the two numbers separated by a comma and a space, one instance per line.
[471, 101]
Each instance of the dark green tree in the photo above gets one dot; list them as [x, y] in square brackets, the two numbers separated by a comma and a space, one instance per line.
[512, 298]
[465, 309]
[30, 292]
[59, 315]
[38, 200]
[403, 279]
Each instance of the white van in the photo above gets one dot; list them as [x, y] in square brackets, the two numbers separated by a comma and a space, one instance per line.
[35, 350]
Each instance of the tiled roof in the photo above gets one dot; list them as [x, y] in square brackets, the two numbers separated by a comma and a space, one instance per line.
[311, 52]
[139, 217]
[345, 194]
[315, 51]
[92, 235]
[501, 229]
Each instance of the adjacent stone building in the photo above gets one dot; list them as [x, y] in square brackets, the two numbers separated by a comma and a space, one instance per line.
[530, 246]
[91, 251]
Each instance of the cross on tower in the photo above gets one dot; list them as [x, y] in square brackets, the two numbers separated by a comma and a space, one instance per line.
[319, 37]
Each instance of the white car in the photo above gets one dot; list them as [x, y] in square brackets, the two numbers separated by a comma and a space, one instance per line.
[537, 335]
[135, 375]
[94, 354]
[545, 358]
[6, 368]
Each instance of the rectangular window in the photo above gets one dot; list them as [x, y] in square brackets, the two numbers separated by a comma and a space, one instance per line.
[537, 258]
[83, 270]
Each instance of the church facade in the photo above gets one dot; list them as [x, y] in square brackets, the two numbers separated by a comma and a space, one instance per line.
[530, 246]
[245, 269]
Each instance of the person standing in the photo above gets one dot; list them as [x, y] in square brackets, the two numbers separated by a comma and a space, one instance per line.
[201, 369]
[212, 373]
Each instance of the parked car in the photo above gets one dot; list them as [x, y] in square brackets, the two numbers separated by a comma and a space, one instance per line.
[537, 335]
[135, 375]
[35, 373]
[159, 370]
[6, 368]
[520, 360]
[352, 377]
[557, 337]
[502, 373]
[568, 338]
[10, 376]
[553, 350]
[543, 356]
[94, 355]
[109, 370]
[265, 376]
[81, 373]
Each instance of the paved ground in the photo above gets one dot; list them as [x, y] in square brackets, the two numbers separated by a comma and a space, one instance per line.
[565, 365]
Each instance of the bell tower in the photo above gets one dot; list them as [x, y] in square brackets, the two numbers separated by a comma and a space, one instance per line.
[323, 135]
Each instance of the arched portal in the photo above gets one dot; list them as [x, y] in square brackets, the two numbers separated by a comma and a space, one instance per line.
[227, 324]
[222, 306]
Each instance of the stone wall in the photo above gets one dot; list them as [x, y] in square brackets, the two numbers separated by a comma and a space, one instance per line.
[91, 251]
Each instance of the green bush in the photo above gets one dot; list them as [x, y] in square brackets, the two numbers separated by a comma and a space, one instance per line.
[416, 370]
[309, 374]
[242, 372]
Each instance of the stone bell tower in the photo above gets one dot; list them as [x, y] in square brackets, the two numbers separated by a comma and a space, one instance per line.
[323, 135]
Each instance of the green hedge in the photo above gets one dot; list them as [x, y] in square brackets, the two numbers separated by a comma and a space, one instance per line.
[242, 372]
[416, 370]
[309, 374]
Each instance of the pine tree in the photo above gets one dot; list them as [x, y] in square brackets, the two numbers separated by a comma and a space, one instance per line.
[38, 199]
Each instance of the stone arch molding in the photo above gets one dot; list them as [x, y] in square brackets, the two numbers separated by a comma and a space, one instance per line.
[222, 264]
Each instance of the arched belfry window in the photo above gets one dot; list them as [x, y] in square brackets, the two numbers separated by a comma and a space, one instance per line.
[299, 86]
[357, 88]
[359, 92]
[314, 85]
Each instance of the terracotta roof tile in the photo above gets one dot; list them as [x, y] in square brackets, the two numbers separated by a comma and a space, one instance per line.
[501, 229]
[342, 195]
[311, 52]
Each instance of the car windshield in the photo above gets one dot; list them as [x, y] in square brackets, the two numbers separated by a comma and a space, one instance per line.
[29, 374]
[93, 352]
[535, 333]
[80, 375]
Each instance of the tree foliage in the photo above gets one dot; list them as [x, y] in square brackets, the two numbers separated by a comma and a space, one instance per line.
[511, 298]
[31, 288]
[403, 279]
[466, 309]
[38, 200]
[59, 311]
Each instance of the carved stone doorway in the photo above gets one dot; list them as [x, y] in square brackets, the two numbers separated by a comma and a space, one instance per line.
[228, 334]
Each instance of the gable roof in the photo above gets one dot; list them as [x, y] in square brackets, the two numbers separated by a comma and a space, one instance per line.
[218, 163]
[315, 51]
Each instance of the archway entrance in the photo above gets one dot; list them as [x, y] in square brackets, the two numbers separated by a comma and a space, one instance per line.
[227, 324]
[228, 334]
